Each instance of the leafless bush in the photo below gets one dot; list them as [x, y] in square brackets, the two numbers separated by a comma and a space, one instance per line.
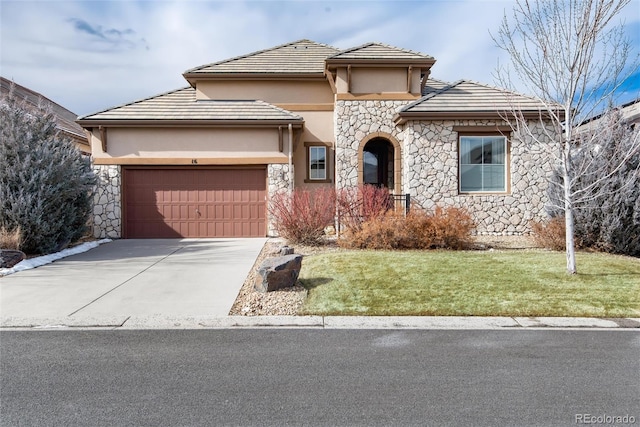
[549, 234]
[448, 228]
[301, 216]
[10, 239]
[357, 205]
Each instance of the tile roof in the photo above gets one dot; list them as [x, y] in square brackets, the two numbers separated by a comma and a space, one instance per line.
[379, 51]
[299, 57]
[181, 105]
[434, 85]
[465, 96]
[65, 119]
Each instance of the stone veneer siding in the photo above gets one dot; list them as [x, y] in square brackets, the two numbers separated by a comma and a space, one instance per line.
[278, 178]
[431, 177]
[353, 121]
[107, 209]
[430, 165]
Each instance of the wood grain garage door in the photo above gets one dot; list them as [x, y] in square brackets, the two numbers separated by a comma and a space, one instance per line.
[194, 202]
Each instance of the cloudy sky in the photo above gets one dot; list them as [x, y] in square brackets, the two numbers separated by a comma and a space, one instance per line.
[90, 55]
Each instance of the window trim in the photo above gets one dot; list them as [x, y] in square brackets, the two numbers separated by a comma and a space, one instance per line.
[477, 132]
[308, 179]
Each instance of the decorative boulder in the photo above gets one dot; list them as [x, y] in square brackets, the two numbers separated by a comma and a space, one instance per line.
[278, 272]
[9, 257]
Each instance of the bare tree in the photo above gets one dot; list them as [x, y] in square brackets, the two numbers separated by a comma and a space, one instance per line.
[572, 56]
[607, 209]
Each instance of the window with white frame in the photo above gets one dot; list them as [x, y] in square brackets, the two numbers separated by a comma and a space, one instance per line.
[483, 164]
[317, 163]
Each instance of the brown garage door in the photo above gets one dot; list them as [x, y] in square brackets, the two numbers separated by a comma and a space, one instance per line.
[194, 202]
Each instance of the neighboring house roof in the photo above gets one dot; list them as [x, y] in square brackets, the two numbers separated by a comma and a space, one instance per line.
[379, 52]
[299, 57]
[631, 111]
[181, 107]
[468, 98]
[65, 119]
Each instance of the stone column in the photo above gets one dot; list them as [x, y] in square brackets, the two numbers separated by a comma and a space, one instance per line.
[107, 202]
[278, 178]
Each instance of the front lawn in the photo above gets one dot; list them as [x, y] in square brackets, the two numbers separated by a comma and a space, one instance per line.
[470, 283]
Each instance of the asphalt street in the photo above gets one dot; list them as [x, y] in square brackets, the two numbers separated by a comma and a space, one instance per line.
[285, 377]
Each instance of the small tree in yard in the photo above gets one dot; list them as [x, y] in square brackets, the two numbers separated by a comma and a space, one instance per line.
[572, 57]
[45, 184]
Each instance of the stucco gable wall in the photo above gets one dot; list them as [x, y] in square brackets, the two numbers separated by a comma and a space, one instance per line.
[189, 143]
[370, 80]
[431, 177]
[271, 91]
[377, 80]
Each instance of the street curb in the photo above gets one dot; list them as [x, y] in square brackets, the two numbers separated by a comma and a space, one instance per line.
[316, 322]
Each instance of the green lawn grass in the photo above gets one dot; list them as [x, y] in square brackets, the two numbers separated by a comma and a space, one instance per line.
[470, 283]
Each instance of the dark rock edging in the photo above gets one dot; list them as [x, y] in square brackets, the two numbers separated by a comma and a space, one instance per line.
[10, 257]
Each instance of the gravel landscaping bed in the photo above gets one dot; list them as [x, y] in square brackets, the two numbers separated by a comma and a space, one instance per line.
[288, 301]
[277, 303]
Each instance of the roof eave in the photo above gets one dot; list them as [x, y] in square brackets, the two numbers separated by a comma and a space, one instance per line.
[192, 77]
[379, 62]
[89, 123]
[403, 117]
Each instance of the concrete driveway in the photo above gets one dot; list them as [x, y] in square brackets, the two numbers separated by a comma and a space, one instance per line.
[161, 278]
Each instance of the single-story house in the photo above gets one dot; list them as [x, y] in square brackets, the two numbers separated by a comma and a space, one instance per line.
[202, 161]
[65, 119]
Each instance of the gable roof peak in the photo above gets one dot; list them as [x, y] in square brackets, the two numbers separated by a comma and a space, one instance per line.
[180, 107]
[380, 51]
[467, 98]
[301, 56]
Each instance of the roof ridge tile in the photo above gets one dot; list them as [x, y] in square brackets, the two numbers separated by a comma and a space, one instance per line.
[501, 89]
[258, 52]
[388, 46]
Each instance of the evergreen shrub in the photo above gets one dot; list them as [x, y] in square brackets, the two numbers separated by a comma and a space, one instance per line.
[46, 185]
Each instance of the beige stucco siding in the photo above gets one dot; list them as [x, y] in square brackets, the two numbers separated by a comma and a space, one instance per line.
[378, 80]
[273, 92]
[189, 143]
[318, 126]
[365, 80]
[318, 129]
[415, 81]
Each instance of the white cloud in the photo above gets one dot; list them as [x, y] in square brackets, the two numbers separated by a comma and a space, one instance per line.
[91, 55]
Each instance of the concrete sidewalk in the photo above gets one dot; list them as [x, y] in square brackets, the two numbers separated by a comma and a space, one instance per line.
[315, 322]
[131, 278]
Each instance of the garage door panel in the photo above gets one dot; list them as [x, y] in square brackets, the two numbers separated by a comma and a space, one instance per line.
[194, 202]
